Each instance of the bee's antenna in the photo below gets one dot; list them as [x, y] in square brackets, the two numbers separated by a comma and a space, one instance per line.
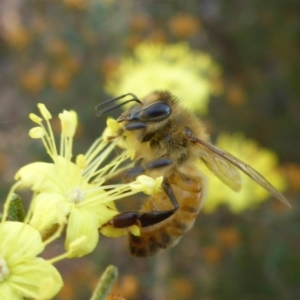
[117, 98]
[100, 112]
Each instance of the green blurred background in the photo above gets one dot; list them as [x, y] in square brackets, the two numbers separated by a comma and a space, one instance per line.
[71, 54]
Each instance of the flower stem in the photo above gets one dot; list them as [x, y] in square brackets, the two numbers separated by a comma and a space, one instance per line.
[105, 283]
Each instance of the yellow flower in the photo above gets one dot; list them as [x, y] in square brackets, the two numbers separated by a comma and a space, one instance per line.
[251, 194]
[184, 25]
[73, 193]
[190, 75]
[22, 273]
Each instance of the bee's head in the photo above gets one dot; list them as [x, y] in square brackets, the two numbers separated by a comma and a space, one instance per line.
[152, 111]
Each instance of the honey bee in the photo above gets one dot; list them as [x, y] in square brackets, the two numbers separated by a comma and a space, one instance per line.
[168, 141]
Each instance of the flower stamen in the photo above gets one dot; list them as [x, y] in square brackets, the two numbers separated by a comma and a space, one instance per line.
[94, 165]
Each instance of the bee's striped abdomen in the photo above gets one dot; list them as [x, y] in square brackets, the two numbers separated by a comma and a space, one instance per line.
[189, 195]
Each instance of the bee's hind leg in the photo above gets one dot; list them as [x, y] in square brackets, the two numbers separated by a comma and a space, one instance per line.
[144, 219]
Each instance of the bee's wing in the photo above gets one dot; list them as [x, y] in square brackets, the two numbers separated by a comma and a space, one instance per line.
[224, 170]
[222, 164]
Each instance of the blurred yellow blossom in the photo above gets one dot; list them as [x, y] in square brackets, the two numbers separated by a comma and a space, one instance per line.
[191, 75]
[251, 193]
[292, 172]
[212, 254]
[22, 273]
[229, 237]
[72, 64]
[57, 48]
[73, 193]
[76, 4]
[156, 36]
[34, 79]
[17, 36]
[60, 79]
[184, 25]
[235, 94]
[140, 22]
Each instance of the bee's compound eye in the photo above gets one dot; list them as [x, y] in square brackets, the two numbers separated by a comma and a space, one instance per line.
[156, 112]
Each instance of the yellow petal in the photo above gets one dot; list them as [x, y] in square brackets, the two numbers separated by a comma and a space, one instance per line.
[42, 176]
[117, 232]
[19, 242]
[104, 211]
[47, 210]
[82, 223]
[113, 232]
[135, 230]
[30, 278]
[7, 292]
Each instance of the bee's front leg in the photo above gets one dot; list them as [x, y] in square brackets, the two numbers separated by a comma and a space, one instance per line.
[141, 167]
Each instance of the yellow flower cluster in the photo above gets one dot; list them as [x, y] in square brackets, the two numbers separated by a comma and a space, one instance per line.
[66, 195]
[251, 194]
[191, 75]
[22, 273]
